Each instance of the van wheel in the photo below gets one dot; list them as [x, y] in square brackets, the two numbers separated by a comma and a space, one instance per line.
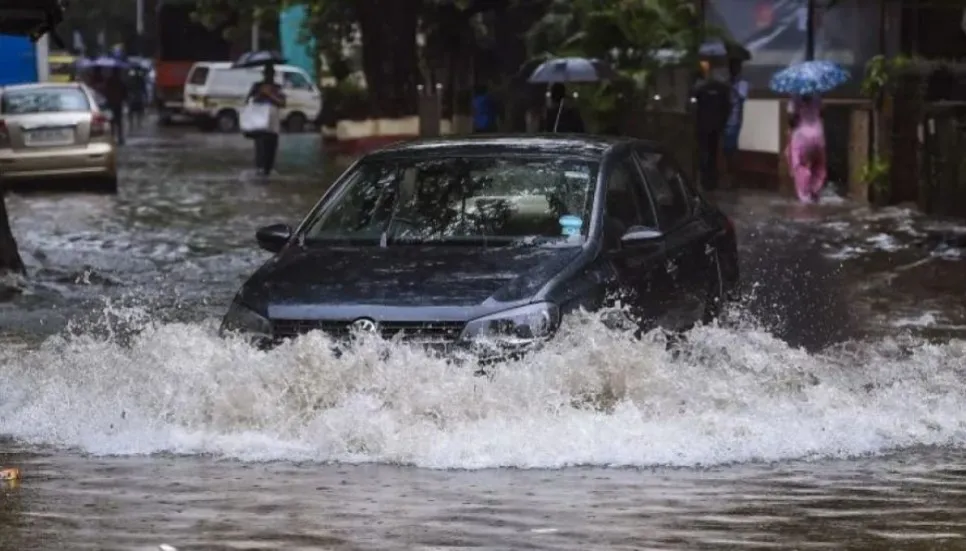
[226, 121]
[296, 122]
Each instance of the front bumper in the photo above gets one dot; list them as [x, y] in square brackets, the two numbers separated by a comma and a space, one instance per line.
[93, 160]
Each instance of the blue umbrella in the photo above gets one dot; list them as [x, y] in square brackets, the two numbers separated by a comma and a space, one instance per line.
[572, 69]
[809, 77]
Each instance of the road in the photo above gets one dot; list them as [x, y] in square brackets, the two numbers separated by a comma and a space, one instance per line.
[832, 416]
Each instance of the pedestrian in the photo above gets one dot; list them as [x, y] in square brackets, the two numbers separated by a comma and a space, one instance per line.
[559, 116]
[712, 99]
[732, 131]
[806, 148]
[266, 141]
[484, 114]
[115, 91]
[136, 99]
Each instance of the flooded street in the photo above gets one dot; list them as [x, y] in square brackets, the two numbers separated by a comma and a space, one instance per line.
[832, 416]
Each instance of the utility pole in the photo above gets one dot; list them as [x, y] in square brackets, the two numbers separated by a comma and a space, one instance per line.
[810, 30]
[255, 33]
[139, 45]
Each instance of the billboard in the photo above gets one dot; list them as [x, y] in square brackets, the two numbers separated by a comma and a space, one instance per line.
[775, 32]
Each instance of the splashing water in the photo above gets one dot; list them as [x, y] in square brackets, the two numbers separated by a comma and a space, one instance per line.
[593, 397]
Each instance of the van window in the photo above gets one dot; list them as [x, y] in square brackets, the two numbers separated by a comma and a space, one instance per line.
[239, 80]
[295, 80]
[198, 76]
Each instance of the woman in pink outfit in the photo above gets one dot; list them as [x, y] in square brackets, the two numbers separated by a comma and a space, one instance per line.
[806, 149]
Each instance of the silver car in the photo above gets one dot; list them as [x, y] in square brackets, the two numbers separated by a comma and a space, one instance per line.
[55, 131]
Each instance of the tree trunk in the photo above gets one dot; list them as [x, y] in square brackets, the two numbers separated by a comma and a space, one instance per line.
[389, 55]
[10, 261]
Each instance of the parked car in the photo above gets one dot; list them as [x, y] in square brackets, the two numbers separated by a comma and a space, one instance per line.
[215, 93]
[55, 130]
[456, 242]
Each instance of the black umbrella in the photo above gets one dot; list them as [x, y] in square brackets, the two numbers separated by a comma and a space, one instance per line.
[723, 49]
[259, 58]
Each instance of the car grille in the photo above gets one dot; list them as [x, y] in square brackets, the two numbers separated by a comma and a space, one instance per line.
[421, 331]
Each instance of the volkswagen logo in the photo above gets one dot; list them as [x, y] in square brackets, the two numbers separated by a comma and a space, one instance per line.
[365, 324]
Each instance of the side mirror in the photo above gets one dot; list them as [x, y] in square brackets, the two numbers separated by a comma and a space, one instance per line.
[640, 234]
[273, 238]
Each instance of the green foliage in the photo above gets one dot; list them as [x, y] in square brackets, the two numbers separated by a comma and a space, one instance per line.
[880, 74]
[344, 101]
[875, 174]
[624, 32]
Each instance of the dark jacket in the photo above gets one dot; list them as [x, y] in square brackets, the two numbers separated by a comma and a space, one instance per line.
[570, 120]
[712, 106]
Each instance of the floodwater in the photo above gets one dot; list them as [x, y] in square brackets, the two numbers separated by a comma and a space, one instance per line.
[829, 415]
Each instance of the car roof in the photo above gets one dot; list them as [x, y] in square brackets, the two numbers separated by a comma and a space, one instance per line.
[39, 85]
[227, 65]
[579, 145]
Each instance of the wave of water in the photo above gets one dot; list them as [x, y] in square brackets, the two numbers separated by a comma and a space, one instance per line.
[594, 397]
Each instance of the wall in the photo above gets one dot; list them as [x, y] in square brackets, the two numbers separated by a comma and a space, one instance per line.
[17, 60]
[760, 129]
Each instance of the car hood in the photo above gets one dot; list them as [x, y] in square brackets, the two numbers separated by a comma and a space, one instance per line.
[404, 275]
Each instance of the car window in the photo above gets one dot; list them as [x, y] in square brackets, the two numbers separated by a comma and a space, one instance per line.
[198, 76]
[296, 81]
[44, 100]
[667, 190]
[440, 198]
[626, 205]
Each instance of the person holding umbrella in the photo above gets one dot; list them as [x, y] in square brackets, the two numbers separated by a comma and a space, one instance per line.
[806, 148]
[561, 117]
[266, 95]
[267, 91]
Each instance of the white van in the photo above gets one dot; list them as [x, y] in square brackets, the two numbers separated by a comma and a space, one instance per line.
[214, 95]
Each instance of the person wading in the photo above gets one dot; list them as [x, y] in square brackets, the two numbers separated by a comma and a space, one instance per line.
[115, 91]
[266, 141]
[806, 149]
[712, 106]
[569, 117]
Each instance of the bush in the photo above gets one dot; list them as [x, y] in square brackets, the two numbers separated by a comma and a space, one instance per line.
[344, 101]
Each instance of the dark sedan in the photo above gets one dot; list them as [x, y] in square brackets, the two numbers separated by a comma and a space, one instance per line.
[471, 240]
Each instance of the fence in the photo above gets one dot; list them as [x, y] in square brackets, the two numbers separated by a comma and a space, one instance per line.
[942, 160]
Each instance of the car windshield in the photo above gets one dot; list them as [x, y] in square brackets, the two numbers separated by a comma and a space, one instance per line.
[461, 199]
[43, 100]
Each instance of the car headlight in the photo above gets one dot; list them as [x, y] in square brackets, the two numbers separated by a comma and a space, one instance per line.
[522, 325]
[242, 319]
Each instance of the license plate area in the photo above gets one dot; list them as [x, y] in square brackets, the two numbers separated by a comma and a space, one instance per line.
[46, 137]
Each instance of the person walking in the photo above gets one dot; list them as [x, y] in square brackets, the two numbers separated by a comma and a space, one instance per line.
[136, 99]
[712, 99]
[807, 162]
[732, 130]
[560, 117]
[115, 92]
[267, 91]
[484, 112]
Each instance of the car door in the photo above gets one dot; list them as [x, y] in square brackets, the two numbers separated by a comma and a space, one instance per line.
[638, 264]
[686, 237]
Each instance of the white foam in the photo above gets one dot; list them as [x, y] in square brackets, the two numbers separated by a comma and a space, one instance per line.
[596, 397]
